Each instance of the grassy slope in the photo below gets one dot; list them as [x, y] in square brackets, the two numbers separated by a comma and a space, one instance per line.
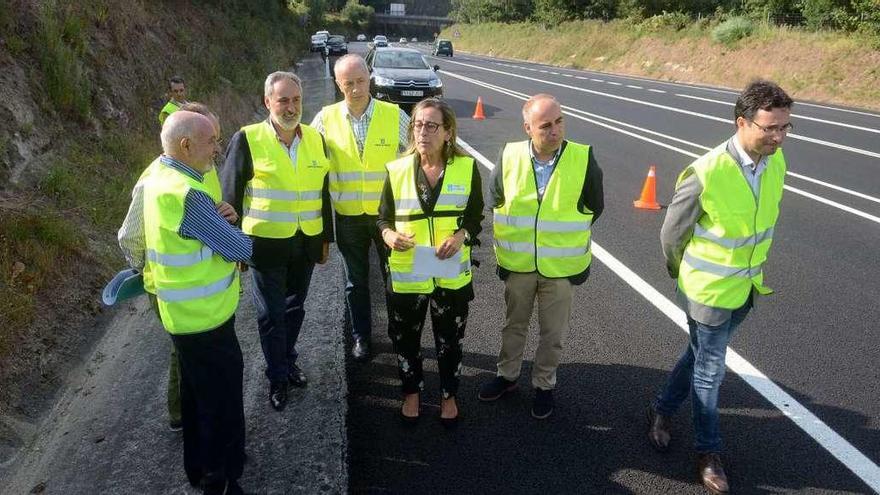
[830, 67]
[92, 79]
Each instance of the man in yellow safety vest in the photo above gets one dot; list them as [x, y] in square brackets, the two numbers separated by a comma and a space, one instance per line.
[547, 194]
[715, 238]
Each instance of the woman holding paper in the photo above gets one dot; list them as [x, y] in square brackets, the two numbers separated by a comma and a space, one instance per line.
[429, 216]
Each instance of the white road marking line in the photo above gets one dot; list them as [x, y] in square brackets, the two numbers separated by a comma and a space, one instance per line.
[656, 90]
[582, 77]
[720, 90]
[671, 109]
[567, 75]
[830, 440]
[633, 86]
[569, 110]
[830, 122]
[597, 80]
[614, 83]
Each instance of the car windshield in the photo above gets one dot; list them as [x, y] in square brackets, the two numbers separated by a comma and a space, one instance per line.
[400, 60]
[445, 44]
[337, 39]
[380, 38]
[317, 38]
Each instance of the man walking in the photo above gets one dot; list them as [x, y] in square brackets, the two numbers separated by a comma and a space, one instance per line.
[363, 134]
[191, 252]
[276, 176]
[547, 193]
[715, 238]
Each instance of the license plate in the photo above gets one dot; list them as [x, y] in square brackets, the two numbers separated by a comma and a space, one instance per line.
[412, 93]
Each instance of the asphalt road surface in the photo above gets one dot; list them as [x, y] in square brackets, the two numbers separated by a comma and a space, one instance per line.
[799, 406]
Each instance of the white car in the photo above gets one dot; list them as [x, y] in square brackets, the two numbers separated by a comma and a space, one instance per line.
[362, 37]
[402, 40]
[414, 40]
[380, 40]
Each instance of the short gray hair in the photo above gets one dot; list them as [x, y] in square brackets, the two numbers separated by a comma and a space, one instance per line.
[527, 107]
[179, 125]
[352, 58]
[274, 77]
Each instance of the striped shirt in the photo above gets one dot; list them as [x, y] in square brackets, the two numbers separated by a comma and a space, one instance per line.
[359, 126]
[201, 222]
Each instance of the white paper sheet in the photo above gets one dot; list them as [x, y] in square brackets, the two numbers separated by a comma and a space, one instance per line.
[427, 263]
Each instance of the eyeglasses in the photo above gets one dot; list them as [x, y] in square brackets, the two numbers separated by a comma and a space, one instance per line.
[774, 129]
[429, 127]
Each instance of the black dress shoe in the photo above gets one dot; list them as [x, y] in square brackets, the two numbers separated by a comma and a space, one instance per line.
[278, 396]
[360, 351]
[296, 377]
[659, 430]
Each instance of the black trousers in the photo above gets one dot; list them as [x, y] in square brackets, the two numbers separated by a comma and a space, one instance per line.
[211, 370]
[406, 315]
[282, 273]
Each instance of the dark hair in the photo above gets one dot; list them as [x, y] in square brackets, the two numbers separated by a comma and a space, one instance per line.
[760, 95]
[175, 80]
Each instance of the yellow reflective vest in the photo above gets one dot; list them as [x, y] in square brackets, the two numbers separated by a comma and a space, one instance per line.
[723, 260]
[196, 289]
[283, 197]
[428, 231]
[551, 236]
[212, 185]
[167, 110]
[356, 179]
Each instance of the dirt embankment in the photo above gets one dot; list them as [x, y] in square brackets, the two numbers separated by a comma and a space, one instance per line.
[80, 88]
[824, 67]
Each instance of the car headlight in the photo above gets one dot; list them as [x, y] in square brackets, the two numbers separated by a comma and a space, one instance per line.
[435, 83]
[383, 81]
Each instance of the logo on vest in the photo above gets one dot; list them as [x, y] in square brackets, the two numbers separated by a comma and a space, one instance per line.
[314, 164]
[382, 143]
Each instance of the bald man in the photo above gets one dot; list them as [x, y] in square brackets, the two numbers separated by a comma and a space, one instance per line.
[191, 255]
[547, 193]
[133, 246]
[363, 134]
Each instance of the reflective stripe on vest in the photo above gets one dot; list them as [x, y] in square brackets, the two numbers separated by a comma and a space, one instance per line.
[212, 185]
[428, 230]
[550, 236]
[196, 289]
[356, 179]
[723, 261]
[282, 198]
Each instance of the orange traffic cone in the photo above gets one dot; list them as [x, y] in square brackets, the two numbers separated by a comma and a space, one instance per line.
[478, 112]
[648, 200]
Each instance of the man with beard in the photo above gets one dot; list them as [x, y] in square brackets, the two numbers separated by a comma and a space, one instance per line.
[276, 176]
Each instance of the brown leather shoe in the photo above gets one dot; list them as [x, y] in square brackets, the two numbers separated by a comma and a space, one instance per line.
[659, 430]
[712, 473]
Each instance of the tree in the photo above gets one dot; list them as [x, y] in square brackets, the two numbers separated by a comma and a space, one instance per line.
[357, 15]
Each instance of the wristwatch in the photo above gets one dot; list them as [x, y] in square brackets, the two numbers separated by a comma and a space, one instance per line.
[467, 236]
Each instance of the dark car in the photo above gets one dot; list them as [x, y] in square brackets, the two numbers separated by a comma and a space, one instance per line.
[336, 45]
[443, 47]
[401, 75]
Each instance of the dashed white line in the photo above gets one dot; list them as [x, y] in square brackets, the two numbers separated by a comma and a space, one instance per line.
[614, 83]
[633, 86]
[656, 90]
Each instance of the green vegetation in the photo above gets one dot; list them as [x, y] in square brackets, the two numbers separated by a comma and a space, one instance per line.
[99, 87]
[35, 250]
[848, 15]
[732, 30]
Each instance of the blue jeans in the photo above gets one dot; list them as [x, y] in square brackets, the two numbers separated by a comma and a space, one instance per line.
[353, 237]
[279, 296]
[699, 371]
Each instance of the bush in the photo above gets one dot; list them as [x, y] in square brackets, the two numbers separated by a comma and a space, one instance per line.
[667, 21]
[60, 46]
[732, 30]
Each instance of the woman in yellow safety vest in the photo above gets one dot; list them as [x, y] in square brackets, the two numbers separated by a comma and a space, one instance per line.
[429, 216]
